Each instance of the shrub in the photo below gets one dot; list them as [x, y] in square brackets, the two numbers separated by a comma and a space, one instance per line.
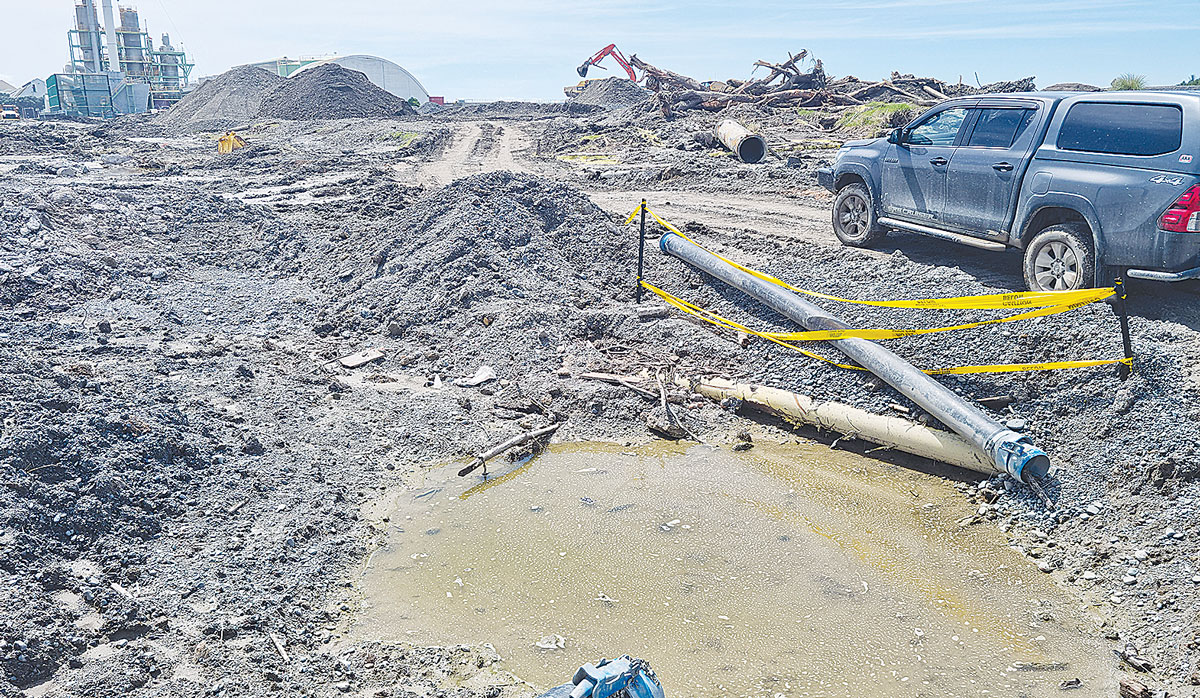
[1129, 81]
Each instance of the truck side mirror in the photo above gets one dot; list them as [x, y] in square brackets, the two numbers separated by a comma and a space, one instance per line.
[896, 136]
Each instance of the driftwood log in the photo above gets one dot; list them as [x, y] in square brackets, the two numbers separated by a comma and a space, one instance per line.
[515, 441]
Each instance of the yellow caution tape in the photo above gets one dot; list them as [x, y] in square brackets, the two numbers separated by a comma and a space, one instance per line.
[1021, 299]
[1043, 304]
[781, 338]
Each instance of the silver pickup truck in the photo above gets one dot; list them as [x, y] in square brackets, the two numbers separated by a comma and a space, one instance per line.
[1089, 185]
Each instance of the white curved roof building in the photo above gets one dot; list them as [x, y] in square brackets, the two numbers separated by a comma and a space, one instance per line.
[380, 71]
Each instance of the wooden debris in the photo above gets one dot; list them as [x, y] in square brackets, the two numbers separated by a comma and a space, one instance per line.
[279, 647]
[1134, 689]
[515, 441]
[361, 358]
[788, 84]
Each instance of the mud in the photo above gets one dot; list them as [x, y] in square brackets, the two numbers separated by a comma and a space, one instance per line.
[185, 462]
[787, 568]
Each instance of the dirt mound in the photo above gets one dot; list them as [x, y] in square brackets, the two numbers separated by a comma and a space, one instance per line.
[228, 100]
[611, 93]
[488, 245]
[330, 91]
[1072, 87]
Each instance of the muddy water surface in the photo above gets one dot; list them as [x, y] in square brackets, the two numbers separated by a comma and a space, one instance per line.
[791, 570]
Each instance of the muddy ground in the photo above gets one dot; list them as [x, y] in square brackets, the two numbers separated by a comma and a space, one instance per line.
[184, 459]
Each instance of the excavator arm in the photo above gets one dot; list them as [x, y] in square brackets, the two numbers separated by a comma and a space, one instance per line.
[610, 50]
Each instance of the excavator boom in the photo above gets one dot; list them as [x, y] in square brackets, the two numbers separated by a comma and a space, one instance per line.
[610, 50]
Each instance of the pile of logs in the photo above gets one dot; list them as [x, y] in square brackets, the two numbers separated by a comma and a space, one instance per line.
[787, 84]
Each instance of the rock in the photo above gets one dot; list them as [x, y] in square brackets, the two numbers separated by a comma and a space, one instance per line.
[483, 374]
[104, 326]
[1141, 554]
[252, 447]
[1045, 566]
[394, 329]
[115, 159]
[659, 422]
[158, 274]
[67, 171]
[743, 446]
[343, 686]
[551, 642]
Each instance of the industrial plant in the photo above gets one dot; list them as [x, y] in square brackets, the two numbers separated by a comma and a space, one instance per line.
[115, 68]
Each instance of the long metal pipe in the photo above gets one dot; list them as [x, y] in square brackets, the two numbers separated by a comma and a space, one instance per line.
[747, 145]
[1012, 453]
[114, 59]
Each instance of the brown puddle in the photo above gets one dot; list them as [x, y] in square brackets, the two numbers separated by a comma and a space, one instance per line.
[787, 569]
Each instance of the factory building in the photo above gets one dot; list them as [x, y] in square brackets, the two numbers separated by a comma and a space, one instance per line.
[384, 73]
[115, 68]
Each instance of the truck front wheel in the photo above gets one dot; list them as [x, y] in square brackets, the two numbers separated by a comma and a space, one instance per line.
[854, 217]
[1060, 258]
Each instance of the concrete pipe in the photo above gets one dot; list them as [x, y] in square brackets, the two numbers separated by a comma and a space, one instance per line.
[892, 432]
[749, 147]
[1012, 453]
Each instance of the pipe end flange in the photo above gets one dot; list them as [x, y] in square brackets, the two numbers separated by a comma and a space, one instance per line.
[1016, 455]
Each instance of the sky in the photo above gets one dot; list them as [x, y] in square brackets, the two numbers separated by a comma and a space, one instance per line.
[529, 49]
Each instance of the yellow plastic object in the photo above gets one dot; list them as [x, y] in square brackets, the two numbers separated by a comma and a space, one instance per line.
[229, 142]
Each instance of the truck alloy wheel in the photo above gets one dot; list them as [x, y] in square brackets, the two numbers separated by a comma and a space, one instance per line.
[1060, 258]
[853, 219]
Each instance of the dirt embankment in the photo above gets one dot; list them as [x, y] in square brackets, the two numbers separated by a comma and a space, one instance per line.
[184, 459]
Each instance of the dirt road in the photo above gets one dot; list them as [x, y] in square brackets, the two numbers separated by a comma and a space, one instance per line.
[477, 146]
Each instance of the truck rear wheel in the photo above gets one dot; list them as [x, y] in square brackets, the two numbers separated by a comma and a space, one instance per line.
[1060, 258]
[854, 217]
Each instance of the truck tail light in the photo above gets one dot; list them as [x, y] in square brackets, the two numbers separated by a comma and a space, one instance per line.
[1184, 214]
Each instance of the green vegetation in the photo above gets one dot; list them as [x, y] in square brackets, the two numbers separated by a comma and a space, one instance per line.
[874, 119]
[809, 144]
[1129, 81]
[405, 137]
[648, 136]
[591, 158]
[1190, 82]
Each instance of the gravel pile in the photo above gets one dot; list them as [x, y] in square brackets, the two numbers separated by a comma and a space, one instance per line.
[611, 93]
[231, 99]
[330, 91]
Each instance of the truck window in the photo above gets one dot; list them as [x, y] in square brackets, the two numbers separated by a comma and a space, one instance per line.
[999, 128]
[939, 129]
[1122, 129]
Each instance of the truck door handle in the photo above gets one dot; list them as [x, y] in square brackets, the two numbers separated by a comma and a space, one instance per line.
[939, 161]
[1002, 167]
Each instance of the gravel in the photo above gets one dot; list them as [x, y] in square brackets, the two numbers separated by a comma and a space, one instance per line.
[329, 91]
[232, 99]
[185, 463]
[611, 93]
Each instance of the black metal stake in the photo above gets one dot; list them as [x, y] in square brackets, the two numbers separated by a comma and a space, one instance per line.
[1124, 369]
[641, 251]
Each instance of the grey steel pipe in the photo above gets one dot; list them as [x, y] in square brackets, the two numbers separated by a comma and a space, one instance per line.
[110, 29]
[1012, 453]
[749, 147]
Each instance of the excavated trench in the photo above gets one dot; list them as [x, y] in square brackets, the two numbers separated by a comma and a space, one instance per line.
[787, 569]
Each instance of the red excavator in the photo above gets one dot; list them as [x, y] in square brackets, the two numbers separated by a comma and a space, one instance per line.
[610, 50]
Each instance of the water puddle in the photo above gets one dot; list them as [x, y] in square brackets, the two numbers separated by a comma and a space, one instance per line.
[791, 570]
